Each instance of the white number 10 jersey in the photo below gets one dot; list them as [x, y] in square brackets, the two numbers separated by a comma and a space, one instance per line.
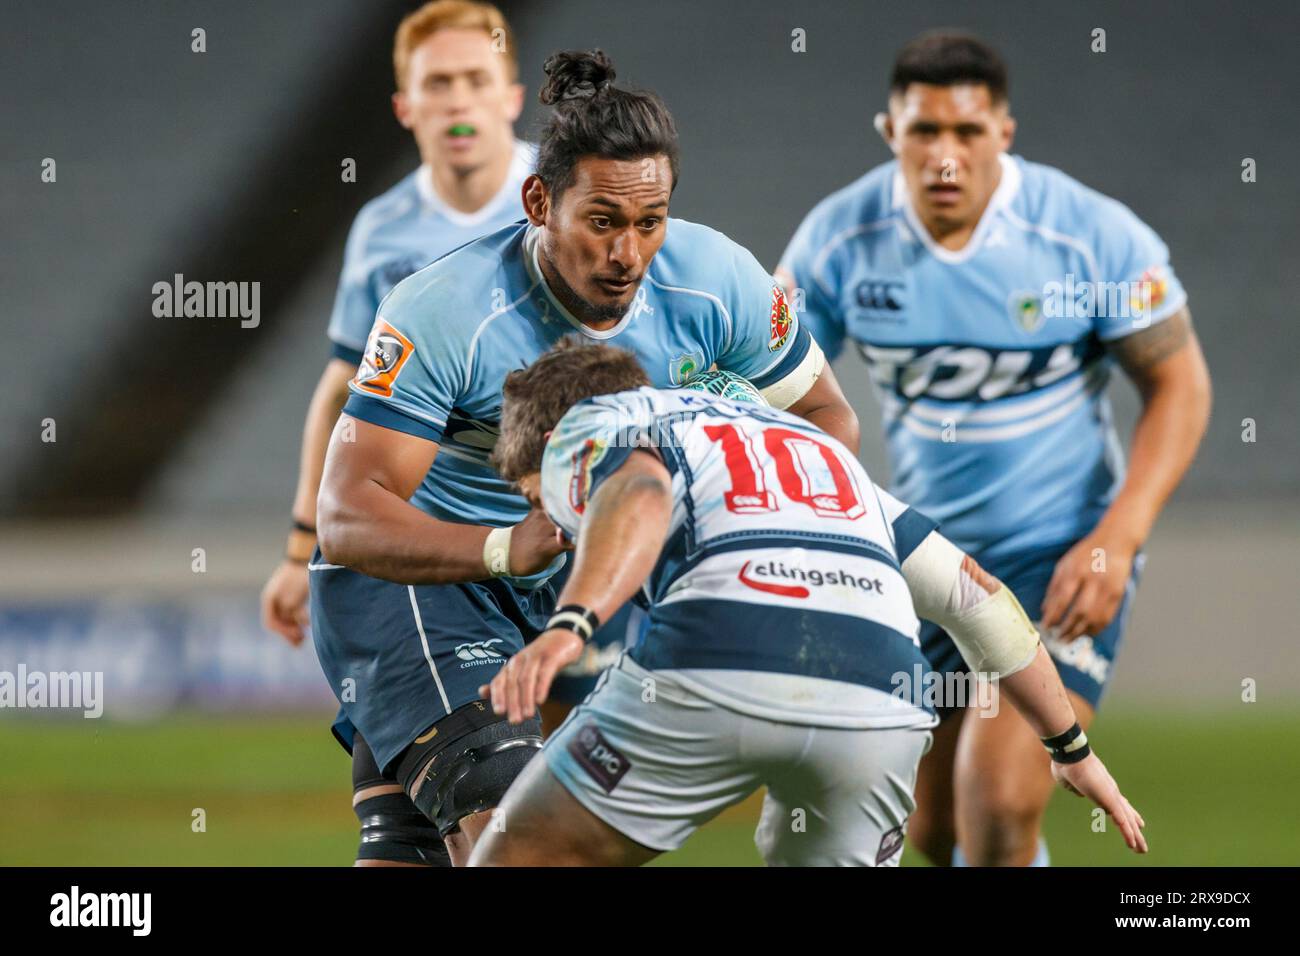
[778, 592]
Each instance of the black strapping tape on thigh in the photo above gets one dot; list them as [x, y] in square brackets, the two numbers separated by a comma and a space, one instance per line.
[392, 829]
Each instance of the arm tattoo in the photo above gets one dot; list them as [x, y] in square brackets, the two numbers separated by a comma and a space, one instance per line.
[1138, 352]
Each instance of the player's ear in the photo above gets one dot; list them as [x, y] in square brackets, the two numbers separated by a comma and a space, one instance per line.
[537, 202]
[402, 109]
[884, 125]
[515, 101]
[1008, 132]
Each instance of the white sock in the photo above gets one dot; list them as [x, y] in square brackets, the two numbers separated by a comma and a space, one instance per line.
[1041, 858]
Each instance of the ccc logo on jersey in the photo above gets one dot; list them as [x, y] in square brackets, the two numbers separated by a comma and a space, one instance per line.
[387, 350]
[879, 295]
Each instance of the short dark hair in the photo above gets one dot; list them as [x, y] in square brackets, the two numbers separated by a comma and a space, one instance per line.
[592, 117]
[534, 399]
[946, 58]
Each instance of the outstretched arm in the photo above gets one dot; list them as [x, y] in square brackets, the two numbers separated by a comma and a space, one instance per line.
[997, 639]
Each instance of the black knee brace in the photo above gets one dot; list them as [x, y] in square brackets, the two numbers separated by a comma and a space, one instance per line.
[472, 773]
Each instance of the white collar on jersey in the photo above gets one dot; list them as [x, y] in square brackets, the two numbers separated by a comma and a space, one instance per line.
[531, 252]
[521, 164]
[1008, 186]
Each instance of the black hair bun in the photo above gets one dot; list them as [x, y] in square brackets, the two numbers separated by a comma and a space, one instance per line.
[575, 74]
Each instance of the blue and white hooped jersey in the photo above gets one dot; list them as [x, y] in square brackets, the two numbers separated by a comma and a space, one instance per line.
[446, 338]
[402, 231]
[989, 362]
[779, 590]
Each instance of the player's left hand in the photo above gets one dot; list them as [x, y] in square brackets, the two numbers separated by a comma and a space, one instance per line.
[525, 680]
[1087, 587]
[1090, 778]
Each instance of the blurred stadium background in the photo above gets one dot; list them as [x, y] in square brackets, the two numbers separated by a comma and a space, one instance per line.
[177, 434]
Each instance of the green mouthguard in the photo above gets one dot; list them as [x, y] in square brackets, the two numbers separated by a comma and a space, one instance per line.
[462, 129]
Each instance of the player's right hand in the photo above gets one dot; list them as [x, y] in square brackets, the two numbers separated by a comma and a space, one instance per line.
[524, 682]
[534, 543]
[1090, 778]
[284, 601]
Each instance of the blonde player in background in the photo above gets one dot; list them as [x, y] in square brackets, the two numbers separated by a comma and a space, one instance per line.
[458, 94]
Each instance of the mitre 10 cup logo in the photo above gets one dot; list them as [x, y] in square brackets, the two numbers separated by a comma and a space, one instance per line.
[782, 321]
[386, 352]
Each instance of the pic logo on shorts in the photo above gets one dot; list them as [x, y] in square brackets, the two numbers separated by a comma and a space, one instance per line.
[598, 757]
[891, 841]
[479, 651]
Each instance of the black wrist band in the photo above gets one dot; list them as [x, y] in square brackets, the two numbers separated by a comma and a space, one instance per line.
[1069, 747]
[575, 618]
[303, 527]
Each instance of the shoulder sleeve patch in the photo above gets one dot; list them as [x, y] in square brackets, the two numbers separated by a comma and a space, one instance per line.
[387, 351]
[585, 460]
[781, 321]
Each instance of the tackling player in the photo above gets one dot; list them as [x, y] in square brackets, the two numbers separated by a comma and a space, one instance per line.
[433, 570]
[782, 587]
[457, 93]
[990, 297]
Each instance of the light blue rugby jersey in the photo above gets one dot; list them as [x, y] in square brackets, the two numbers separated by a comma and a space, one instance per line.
[446, 338]
[989, 362]
[404, 230]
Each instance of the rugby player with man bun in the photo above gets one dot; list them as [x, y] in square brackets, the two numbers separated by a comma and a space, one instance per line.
[432, 569]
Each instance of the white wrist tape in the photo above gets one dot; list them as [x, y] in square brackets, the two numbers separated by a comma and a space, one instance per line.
[991, 630]
[795, 386]
[496, 552]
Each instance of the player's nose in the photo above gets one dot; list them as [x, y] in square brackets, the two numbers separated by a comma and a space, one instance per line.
[624, 252]
[458, 97]
[945, 149]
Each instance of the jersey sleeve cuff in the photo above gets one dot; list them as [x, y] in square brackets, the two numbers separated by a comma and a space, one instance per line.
[611, 461]
[346, 352]
[910, 529]
[379, 413]
[1128, 328]
[788, 362]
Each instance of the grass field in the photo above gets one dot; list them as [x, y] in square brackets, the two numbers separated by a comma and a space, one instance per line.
[1215, 790]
